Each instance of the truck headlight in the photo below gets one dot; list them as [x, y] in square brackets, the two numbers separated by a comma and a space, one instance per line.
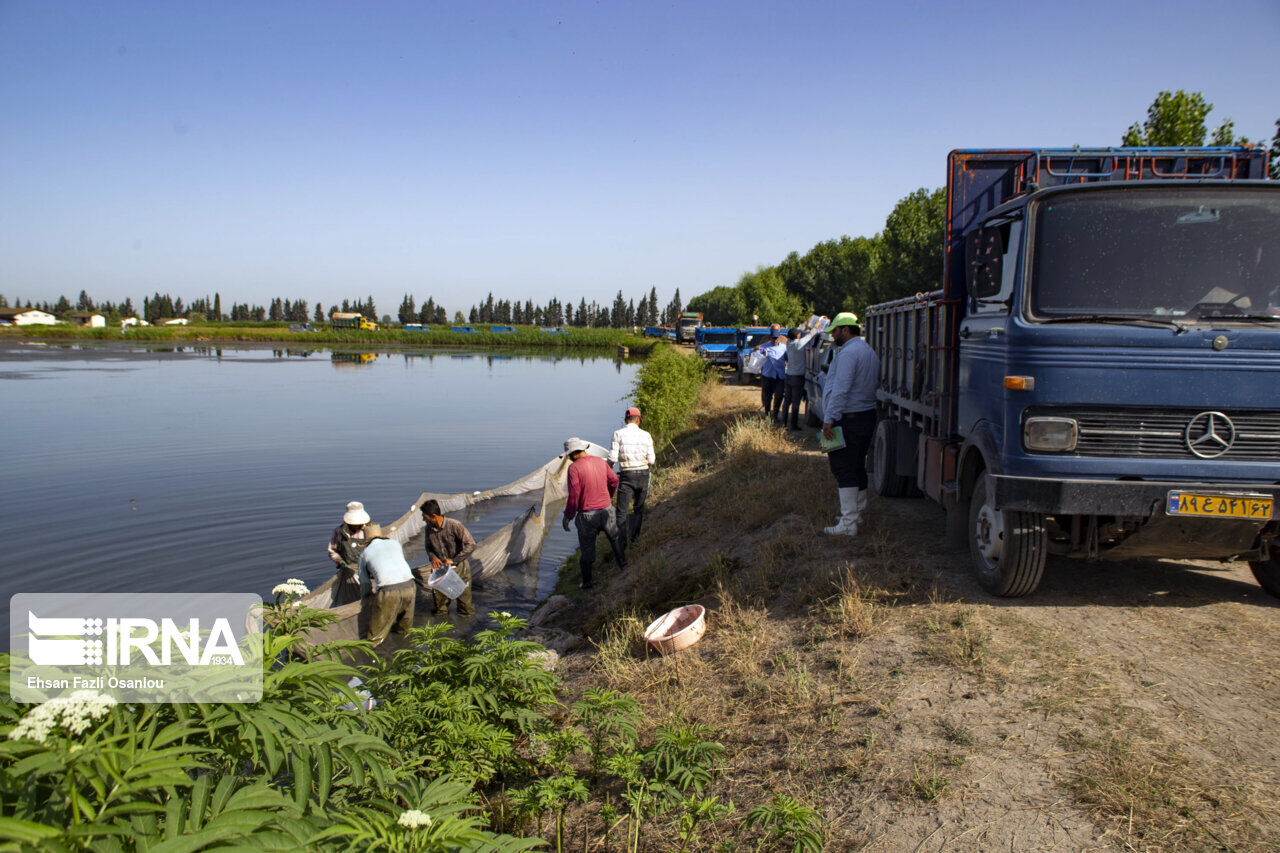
[1054, 435]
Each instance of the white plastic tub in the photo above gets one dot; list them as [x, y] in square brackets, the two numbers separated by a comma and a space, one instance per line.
[678, 629]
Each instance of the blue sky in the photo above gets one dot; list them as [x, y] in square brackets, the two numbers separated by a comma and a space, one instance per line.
[326, 150]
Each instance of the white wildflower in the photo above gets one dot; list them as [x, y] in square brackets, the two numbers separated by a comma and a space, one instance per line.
[73, 713]
[292, 586]
[505, 615]
[414, 819]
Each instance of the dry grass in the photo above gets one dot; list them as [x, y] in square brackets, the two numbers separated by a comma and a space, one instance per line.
[1150, 796]
[840, 672]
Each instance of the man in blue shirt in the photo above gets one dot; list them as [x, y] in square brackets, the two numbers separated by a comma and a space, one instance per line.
[849, 401]
[773, 374]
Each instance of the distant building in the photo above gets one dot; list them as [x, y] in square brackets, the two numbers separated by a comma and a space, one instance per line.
[132, 321]
[27, 317]
[86, 318]
[170, 321]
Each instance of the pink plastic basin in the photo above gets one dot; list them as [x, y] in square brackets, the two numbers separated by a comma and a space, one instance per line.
[678, 629]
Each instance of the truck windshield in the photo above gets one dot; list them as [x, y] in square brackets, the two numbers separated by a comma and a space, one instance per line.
[1185, 252]
[756, 339]
[717, 337]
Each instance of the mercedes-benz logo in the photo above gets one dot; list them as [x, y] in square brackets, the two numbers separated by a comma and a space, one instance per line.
[1210, 434]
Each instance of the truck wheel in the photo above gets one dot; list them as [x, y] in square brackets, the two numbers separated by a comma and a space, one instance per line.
[1007, 547]
[884, 453]
[1268, 573]
[810, 419]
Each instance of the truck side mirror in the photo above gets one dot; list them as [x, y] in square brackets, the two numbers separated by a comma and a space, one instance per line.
[984, 261]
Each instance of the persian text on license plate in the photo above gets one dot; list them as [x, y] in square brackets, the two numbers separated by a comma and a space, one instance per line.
[1220, 506]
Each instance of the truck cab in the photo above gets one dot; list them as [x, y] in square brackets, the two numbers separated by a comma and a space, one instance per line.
[717, 345]
[687, 326]
[1097, 377]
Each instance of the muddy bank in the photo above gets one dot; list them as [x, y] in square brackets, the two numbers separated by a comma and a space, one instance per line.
[1122, 707]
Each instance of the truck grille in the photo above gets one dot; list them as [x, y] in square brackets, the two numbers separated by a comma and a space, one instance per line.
[1161, 433]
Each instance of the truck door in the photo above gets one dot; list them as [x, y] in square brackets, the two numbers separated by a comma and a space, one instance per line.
[993, 258]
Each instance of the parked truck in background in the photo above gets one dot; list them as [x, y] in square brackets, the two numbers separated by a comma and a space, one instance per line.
[687, 327]
[349, 320]
[717, 345]
[1098, 376]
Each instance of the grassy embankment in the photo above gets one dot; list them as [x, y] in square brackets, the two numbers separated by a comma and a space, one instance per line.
[438, 336]
[846, 696]
[869, 681]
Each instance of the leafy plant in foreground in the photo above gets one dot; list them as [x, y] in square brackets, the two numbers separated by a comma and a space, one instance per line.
[786, 818]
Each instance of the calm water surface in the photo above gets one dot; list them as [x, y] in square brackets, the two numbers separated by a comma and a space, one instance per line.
[206, 469]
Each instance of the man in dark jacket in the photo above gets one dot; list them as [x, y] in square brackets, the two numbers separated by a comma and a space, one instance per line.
[590, 505]
[447, 543]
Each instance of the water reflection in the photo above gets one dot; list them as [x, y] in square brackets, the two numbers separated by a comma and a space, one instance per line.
[216, 468]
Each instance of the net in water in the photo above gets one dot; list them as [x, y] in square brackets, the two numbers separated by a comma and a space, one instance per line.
[516, 543]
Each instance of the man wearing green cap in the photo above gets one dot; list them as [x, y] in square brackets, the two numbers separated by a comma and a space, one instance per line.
[849, 402]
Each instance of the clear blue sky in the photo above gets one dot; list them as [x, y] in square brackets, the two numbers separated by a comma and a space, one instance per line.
[322, 150]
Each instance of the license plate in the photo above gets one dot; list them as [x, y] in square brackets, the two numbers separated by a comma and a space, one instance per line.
[1252, 507]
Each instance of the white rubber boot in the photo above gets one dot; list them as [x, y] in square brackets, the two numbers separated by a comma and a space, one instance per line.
[849, 514]
[860, 506]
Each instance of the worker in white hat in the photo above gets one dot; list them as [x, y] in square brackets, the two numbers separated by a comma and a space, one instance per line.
[345, 545]
[849, 402]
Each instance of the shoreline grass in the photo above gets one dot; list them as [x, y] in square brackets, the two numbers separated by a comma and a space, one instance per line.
[438, 336]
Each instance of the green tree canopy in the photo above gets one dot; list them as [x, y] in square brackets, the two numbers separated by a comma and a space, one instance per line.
[1178, 118]
[910, 249]
[720, 306]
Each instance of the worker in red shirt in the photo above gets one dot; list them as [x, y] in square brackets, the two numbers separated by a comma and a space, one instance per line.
[591, 487]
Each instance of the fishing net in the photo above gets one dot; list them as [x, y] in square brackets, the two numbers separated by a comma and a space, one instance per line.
[515, 543]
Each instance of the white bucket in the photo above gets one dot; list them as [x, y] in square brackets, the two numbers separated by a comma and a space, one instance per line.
[445, 581]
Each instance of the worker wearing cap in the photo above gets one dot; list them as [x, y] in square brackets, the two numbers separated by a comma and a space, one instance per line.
[386, 578]
[849, 401]
[633, 453]
[590, 506]
[793, 389]
[772, 373]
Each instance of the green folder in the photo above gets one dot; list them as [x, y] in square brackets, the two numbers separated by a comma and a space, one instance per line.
[836, 442]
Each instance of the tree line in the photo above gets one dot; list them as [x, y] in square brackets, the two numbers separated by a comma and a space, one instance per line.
[849, 273]
[623, 313]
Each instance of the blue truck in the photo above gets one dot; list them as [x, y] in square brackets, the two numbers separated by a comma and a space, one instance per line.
[1099, 376]
[717, 345]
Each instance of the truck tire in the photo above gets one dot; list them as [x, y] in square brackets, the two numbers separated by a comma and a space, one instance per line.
[884, 453]
[1268, 573]
[1007, 547]
[810, 419]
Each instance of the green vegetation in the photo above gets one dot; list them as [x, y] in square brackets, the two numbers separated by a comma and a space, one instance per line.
[845, 274]
[523, 336]
[1178, 118]
[666, 388]
[466, 748]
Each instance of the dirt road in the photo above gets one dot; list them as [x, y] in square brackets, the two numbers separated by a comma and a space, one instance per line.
[1129, 706]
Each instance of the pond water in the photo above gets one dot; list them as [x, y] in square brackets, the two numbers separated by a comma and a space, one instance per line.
[225, 469]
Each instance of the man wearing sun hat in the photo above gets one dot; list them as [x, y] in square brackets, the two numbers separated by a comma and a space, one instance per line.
[633, 454]
[590, 506]
[385, 576]
[345, 545]
[849, 402]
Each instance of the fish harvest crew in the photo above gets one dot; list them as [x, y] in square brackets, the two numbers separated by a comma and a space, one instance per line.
[448, 543]
[590, 505]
